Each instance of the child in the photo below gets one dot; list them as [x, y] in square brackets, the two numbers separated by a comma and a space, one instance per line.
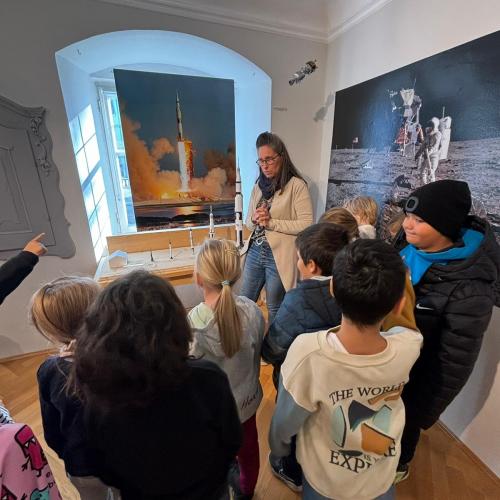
[57, 309]
[365, 210]
[343, 218]
[340, 388]
[228, 330]
[310, 306]
[454, 262]
[164, 425]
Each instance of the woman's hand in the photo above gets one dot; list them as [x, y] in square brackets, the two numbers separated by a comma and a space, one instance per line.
[255, 216]
[262, 216]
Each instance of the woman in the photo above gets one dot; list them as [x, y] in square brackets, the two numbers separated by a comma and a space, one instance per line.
[163, 425]
[280, 207]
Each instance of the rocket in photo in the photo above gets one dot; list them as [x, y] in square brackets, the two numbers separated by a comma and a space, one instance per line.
[185, 150]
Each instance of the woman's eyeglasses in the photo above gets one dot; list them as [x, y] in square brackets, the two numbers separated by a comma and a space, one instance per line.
[267, 161]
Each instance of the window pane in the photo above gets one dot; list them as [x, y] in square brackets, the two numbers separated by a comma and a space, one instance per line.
[89, 200]
[99, 249]
[92, 152]
[94, 228]
[87, 123]
[123, 171]
[81, 163]
[98, 185]
[116, 126]
[129, 205]
[103, 216]
[76, 135]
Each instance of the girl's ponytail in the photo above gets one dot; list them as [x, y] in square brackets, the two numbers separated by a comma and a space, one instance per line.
[218, 264]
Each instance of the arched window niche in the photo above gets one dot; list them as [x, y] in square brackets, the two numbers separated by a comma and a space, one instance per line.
[86, 70]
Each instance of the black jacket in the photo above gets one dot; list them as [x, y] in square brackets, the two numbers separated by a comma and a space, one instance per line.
[307, 308]
[14, 271]
[179, 447]
[454, 304]
[62, 418]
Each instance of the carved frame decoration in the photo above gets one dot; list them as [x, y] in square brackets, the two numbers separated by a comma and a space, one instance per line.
[32, 122]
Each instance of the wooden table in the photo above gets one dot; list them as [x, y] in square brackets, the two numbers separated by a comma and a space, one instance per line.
[179, 270]
[149, 250]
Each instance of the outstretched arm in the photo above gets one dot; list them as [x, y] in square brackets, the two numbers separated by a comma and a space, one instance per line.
[13, 272]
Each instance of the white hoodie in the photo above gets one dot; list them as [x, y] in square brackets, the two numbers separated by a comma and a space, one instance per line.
[243, 368]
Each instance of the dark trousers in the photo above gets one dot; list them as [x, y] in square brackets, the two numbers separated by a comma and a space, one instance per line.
[409, 440]
[248, 457]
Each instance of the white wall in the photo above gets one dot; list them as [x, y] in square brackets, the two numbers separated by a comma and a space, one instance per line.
[402, 32]
[32, 31]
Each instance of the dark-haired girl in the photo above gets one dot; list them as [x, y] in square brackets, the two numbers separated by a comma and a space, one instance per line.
[280, 207]
[165, 426]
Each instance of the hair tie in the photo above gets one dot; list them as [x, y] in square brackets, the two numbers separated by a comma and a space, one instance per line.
[225, 282]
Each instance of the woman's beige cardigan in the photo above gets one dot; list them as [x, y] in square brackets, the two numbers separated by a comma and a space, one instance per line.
[291, 212]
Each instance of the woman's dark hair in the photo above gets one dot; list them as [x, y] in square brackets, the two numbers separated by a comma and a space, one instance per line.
[288, 169]
[133, 343]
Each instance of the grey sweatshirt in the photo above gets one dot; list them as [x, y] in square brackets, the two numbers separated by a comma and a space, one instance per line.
[244, 367]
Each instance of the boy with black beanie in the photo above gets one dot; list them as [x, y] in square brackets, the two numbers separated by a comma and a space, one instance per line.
[454, 262]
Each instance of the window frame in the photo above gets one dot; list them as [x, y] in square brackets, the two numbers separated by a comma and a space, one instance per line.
[103, 88]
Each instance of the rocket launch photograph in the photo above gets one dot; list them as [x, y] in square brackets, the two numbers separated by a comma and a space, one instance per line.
[179, 137]
[433, 119]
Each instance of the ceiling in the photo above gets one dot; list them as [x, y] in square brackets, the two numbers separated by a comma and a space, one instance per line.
[317, 20]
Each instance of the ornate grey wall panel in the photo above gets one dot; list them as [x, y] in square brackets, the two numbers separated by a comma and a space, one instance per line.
[30, 200]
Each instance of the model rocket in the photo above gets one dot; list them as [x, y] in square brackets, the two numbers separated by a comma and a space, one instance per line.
[191, 243]
[238, 209]
[185, 150]
[211, 230]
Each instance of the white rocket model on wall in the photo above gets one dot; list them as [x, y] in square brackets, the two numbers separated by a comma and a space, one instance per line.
[238, 209]
[185, 150]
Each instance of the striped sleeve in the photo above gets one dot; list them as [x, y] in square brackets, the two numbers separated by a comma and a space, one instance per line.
[5, 417]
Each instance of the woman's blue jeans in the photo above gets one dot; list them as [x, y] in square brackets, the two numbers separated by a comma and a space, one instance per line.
[260, 269]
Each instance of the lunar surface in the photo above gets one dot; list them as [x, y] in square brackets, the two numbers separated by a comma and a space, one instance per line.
[389, 176]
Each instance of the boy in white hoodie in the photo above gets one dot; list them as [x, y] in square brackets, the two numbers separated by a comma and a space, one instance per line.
[340, 389]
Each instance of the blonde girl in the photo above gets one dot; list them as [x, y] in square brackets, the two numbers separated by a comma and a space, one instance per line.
[228, 330]
[57, 310]
[365, 211]
[58, 307]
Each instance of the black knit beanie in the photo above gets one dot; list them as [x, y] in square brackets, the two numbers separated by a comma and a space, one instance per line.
[442, 204]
